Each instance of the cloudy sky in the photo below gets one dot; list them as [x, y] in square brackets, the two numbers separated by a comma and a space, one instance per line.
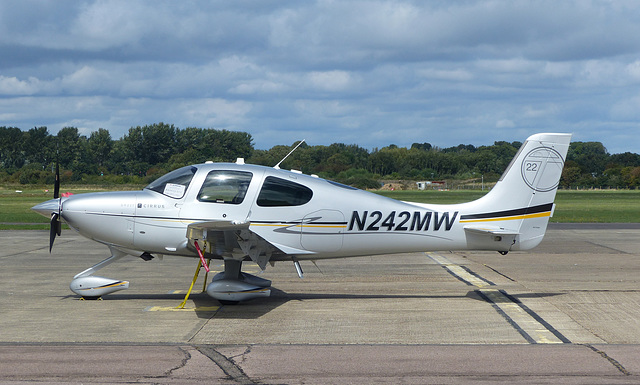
[370, 73]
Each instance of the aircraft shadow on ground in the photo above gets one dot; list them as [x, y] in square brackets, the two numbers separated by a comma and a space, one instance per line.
[125, 297]
[211, 308]
[474, 294]
[259, 307]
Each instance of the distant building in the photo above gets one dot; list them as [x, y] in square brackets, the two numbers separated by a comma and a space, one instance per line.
[436, 185]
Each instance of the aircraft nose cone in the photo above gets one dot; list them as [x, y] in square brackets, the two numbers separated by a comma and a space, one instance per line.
[46, 208]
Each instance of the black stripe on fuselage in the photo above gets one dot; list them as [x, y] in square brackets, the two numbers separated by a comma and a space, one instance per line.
[510, 213]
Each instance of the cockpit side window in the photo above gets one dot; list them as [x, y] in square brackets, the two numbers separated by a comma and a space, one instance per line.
[222, 186]
[175, 183]
[278, 192]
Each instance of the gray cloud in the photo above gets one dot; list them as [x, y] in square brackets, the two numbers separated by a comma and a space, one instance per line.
[365, 72]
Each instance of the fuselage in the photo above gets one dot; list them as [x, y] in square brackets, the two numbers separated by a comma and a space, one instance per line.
[299, 214]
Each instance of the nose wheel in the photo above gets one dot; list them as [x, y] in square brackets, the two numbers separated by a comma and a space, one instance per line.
[91, 287]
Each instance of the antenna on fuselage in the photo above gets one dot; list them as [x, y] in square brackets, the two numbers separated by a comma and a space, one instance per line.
[277, 166]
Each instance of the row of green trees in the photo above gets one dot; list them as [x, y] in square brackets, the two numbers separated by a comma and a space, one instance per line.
[147, 152]
[143, 153]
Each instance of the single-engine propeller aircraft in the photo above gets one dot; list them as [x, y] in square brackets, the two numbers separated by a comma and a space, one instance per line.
[240, 212]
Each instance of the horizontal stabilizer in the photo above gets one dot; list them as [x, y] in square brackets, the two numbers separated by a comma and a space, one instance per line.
[490, 230]
[490, 238]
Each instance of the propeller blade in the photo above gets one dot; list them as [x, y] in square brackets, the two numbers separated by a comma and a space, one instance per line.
[56, 185]
[58, 226]
[55, 229]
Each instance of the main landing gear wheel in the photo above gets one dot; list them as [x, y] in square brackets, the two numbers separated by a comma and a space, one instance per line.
[232, 285]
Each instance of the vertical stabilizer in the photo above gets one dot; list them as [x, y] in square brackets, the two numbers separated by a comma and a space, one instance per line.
[521, 202]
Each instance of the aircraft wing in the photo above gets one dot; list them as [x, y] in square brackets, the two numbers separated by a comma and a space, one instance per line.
[200, 228]
[234, 239]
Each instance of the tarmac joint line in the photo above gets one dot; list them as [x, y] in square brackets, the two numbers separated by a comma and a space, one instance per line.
[497, 272]
[187, 357]
[228, 366]
[611, 360]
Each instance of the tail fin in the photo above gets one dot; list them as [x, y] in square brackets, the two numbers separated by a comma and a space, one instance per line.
[521, 203]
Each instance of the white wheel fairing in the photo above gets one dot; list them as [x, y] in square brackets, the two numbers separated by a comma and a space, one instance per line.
[91, 286]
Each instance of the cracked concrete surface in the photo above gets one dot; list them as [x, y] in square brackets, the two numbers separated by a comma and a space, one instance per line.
[388, 319]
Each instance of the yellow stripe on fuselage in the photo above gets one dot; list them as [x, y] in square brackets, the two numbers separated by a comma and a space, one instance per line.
[515, 217]
[299, 225]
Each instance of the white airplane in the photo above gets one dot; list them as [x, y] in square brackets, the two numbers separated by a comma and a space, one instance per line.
[239, 212]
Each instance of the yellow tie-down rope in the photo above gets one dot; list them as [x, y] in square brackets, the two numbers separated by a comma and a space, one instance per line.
[195, 278]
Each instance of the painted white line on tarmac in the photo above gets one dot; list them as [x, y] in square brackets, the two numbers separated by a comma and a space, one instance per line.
[530, 325]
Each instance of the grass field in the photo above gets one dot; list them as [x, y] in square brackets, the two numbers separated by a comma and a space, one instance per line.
[591, 206]
[15, 207]
[602, 206]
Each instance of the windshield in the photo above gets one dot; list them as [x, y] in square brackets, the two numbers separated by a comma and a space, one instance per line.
[175, 183]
